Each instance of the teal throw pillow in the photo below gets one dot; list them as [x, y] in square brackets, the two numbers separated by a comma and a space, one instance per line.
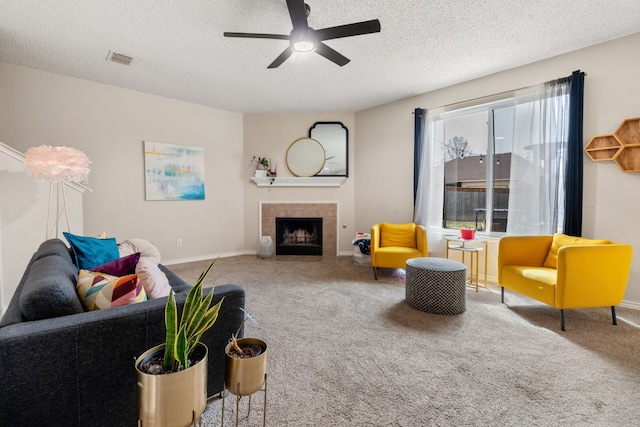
[90, 252]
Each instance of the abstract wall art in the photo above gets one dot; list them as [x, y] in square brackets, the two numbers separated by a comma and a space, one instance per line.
[173, 172]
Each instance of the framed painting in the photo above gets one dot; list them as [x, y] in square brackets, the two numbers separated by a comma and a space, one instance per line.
[173, 172]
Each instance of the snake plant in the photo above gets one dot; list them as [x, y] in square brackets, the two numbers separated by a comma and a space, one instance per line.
[197, 317]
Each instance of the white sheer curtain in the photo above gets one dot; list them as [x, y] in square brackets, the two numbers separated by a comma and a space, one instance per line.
[538, 161]
[428, 207]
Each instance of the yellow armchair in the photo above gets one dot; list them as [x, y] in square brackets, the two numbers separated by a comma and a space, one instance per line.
[393, 244]
[588, 273]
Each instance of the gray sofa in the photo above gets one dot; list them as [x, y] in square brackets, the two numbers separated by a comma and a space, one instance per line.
[76, 368]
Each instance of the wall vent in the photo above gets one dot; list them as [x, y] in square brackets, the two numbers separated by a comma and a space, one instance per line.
[119, 58]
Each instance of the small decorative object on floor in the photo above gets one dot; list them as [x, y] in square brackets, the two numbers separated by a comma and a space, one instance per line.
[265, 247]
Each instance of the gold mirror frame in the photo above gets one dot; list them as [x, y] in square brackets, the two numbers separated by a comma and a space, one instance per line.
[305, 157]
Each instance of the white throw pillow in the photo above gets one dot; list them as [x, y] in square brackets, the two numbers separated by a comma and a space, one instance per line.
[145, 247]
[153, 280]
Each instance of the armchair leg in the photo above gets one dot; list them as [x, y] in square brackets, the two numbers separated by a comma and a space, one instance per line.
[375, 273]
[502, 294]
[613, 315]
[562, 319]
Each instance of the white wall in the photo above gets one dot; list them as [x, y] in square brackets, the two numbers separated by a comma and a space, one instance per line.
[271, 135]
[110, 125]
[24, 204]
[612, 94]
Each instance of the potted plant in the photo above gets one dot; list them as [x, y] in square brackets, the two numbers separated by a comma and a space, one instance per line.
[172, 377]
[262, 166]
[245, 363]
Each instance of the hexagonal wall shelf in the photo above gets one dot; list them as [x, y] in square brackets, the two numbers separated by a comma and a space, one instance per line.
[604, 147]
[628, 133]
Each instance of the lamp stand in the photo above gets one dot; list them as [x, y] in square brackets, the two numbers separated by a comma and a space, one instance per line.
[59, 210]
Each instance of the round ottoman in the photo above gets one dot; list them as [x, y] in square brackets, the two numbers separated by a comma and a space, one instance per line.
[436, 285]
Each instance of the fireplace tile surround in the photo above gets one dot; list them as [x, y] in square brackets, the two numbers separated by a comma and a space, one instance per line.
[327, 211]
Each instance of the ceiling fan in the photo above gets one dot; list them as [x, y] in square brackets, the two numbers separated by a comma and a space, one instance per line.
[304, 39]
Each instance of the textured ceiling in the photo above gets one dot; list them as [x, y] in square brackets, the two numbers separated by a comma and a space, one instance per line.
[179, 51]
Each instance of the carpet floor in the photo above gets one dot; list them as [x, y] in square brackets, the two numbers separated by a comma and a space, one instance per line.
[346, 350]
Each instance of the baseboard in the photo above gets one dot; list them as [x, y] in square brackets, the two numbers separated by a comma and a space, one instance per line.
[207, 257]
[630, 304]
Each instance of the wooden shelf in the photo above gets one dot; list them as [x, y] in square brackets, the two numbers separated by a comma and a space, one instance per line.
[603, 147]
[312, 181]
[628, 134]
[623, 147]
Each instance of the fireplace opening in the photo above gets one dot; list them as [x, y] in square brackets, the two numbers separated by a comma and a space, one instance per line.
[298, 236]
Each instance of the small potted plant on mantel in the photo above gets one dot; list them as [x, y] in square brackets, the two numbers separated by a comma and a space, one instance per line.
[172, 377]
[262, 166]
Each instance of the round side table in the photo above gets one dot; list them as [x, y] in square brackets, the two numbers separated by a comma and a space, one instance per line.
[436, 285]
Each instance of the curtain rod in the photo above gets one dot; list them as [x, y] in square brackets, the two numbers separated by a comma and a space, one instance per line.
[487, 97]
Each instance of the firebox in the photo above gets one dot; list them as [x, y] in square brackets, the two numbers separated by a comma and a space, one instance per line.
[298, 236]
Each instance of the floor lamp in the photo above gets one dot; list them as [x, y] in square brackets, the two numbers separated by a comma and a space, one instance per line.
[60, 166]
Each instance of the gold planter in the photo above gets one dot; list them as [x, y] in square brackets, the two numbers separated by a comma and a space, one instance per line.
[176, 399]
[245, 376]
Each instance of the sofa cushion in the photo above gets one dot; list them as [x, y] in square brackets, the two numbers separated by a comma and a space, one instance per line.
[560, 240]
[153, 280]
[90, 252]
[403, 235]
[99, 291]
[121, 266]
[49, 289]
[145, 247]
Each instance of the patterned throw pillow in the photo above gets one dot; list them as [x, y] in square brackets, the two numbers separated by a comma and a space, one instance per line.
[99, 291]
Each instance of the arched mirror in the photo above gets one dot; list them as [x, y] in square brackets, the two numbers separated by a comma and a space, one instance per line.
[334, 137]
[305, 157]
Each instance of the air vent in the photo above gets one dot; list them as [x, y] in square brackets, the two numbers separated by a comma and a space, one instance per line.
[120, 58]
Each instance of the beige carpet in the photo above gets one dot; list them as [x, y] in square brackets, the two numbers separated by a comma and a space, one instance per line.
[346, 350]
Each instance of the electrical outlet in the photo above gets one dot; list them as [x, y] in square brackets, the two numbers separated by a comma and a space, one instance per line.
[179, 242]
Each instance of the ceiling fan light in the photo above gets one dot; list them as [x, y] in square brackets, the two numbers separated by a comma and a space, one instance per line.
[303, 46]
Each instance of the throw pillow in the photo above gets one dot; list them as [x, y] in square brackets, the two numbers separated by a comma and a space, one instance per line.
[145, 247]
[90, 252]
[560, 240]
[403, 235]
[99, 291]
[153, 280]
[121, 266]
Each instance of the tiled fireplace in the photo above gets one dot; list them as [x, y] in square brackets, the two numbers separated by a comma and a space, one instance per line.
[326, 212]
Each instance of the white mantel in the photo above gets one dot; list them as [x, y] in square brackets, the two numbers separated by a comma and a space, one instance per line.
[295, 181]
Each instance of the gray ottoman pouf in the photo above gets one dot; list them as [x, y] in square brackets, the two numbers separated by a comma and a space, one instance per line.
[436, 285]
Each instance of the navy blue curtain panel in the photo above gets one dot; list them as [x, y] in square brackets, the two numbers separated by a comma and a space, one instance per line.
[418, 142]
[574, 171]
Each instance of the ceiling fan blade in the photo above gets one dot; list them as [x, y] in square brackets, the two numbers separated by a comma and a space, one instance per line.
[298, 14]
[256, 36]
[281, 58]
[331, 54]
[348, 30]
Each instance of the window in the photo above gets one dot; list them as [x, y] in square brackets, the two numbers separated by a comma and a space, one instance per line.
[501, 165]
[476, 146]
